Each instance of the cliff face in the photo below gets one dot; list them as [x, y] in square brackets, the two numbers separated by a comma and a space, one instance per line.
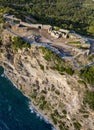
[59, 96]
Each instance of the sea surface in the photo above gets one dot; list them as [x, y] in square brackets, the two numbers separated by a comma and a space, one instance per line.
[15, 112]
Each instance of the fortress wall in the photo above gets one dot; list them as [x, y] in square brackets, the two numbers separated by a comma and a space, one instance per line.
[63, 30]
[31, 25]
[46, 27]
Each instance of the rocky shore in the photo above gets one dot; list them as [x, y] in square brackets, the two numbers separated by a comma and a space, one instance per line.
[58, 97]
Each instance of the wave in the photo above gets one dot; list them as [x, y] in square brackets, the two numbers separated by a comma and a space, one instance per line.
[3, 75]
[33, 110]
[39, 115]
[31, 107]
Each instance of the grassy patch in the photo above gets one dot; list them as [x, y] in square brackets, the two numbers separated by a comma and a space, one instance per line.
[88, 74]
[4, 10]
[57, 63]
[91, 57]
[89, 99]
[48, 55]
[20, 43]
[74, 42]
[82, 82]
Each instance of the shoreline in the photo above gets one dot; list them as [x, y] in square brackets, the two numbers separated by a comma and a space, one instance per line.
[31, 106]
[41, 115]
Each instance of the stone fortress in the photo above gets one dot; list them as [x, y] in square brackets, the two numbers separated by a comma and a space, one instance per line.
[55, 32]
[52, 31]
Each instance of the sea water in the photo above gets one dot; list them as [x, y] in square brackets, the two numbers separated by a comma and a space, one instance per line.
[15, 112]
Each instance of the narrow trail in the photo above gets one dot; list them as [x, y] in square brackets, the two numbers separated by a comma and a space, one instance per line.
[62, 54]
[43, 44]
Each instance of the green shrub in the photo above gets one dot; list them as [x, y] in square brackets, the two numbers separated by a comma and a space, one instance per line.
[20, 43]
[82, 82]
[41, 67]
[64, 112]
[42, 105]
[88, 74]
[69, 71]
[49, 56]
[42, 98]
[59, 64]
[77, 125]
[89, 99]
[44, 91]
[75, 42]
[57, 92]
[62, 126]
[85, 116]
[59, 68]
[54, 119]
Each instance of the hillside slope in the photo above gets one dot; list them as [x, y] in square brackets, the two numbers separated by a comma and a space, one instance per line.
[59, 96]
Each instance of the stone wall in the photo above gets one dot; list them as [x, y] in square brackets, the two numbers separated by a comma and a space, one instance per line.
[31, 25]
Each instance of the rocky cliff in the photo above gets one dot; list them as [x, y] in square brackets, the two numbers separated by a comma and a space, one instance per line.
[57, 95]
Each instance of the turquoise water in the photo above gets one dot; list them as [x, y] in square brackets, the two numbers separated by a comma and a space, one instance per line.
[15, 113]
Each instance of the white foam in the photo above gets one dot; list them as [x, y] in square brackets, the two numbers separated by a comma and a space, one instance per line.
[3, 75]
[39, 115]
[31, 108]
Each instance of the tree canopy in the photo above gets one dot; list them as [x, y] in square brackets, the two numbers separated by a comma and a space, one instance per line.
[76, 15]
